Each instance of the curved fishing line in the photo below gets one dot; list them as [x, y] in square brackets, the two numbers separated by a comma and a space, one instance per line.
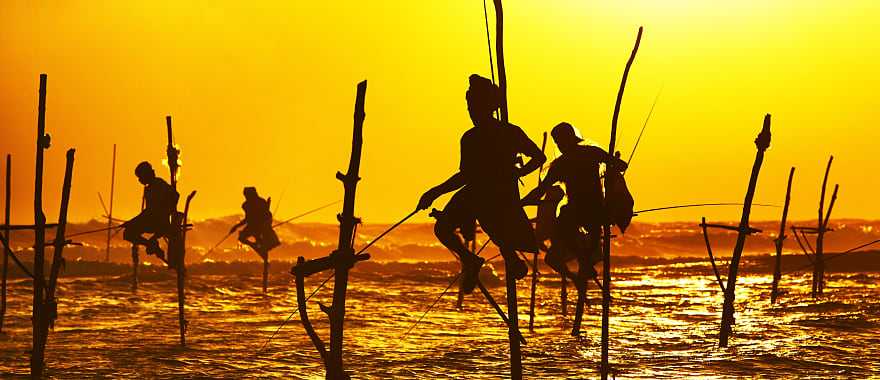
[292, 314]
[644, 126]
[844, 253]
[699, 205]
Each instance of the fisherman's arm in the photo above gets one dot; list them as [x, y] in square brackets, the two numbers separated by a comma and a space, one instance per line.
[454, 182]
[530, 149]
[534, 197]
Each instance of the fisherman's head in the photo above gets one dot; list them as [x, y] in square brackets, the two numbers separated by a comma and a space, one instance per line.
[250, 192]
[565, 136]
[144, 172]
[483, 97]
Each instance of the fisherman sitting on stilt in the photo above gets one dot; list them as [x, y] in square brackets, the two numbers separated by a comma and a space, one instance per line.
[487, 186]
[257, 224]
[578, 169]
[160, 202]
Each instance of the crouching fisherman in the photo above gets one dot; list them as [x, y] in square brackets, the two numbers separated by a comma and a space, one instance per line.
[160, 202]
[578, 169]
[486, 186]
[257, 233]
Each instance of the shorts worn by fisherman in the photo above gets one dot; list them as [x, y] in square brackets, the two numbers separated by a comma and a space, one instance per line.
[257, 224]
[487, 186]
[160, 202]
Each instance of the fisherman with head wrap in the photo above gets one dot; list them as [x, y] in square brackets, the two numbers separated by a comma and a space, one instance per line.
[486, 185]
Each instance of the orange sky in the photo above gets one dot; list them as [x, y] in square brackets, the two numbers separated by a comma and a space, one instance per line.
[262, 94]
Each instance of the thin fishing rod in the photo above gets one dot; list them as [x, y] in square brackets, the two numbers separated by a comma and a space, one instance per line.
[119, 226]
[273, 226]
[281, 223]
[220, 242]
[386, 232]
[10, 253]
[294, 313]
[331, 272]
[645, 125]
[847, 252]
[489, 42]
[698, 205]
[444, 293]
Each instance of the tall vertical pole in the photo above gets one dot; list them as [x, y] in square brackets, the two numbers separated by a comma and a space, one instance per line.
[173, 154]
[6, 238]
[512, 312]
[762, 142]
[535, 261]
[819, 266]
[780, 241]
[606, 229]
[39, 233]
[110, 212]
[345, 252]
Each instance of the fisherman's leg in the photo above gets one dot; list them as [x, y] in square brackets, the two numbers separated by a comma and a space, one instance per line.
[457, 213]
[245, 235]
[134, 230]
[567, 238]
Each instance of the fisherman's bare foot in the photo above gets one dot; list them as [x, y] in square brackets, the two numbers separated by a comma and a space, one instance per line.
[154, 249]
[470, 269]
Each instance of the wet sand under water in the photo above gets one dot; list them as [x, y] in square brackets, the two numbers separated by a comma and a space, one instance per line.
[664, 325]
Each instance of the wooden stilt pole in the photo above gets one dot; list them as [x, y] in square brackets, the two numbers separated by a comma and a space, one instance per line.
[513, 320]
[265, 272]
[340, 261]
[762, 142]
[819, 262]
[39, 235]
[179, 261]
[535, 261]
[780, 241]
[51, 305]
[605, 368]
[563, 293]
[6, 236]
[110, 211]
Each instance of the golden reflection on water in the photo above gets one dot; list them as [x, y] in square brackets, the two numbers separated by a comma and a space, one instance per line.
[664, 325]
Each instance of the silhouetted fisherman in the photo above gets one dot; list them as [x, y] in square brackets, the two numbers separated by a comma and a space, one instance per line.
[160, 201]
[578, 169]
[257, 223]
[487, 186]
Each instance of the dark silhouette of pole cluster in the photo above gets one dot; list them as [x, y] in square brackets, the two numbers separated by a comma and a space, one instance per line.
[45, 304]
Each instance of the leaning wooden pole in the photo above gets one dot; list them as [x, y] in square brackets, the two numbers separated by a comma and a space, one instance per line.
[39, 234]
[819, 262]
[762, 142]
[110, 211]
[780, 241]
[50, 305]
[6, 218]
[606, 229]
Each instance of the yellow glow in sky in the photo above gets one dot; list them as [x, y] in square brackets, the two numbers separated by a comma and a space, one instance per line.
[262, 94]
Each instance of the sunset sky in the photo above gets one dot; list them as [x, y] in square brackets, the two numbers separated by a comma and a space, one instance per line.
[262, 94]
